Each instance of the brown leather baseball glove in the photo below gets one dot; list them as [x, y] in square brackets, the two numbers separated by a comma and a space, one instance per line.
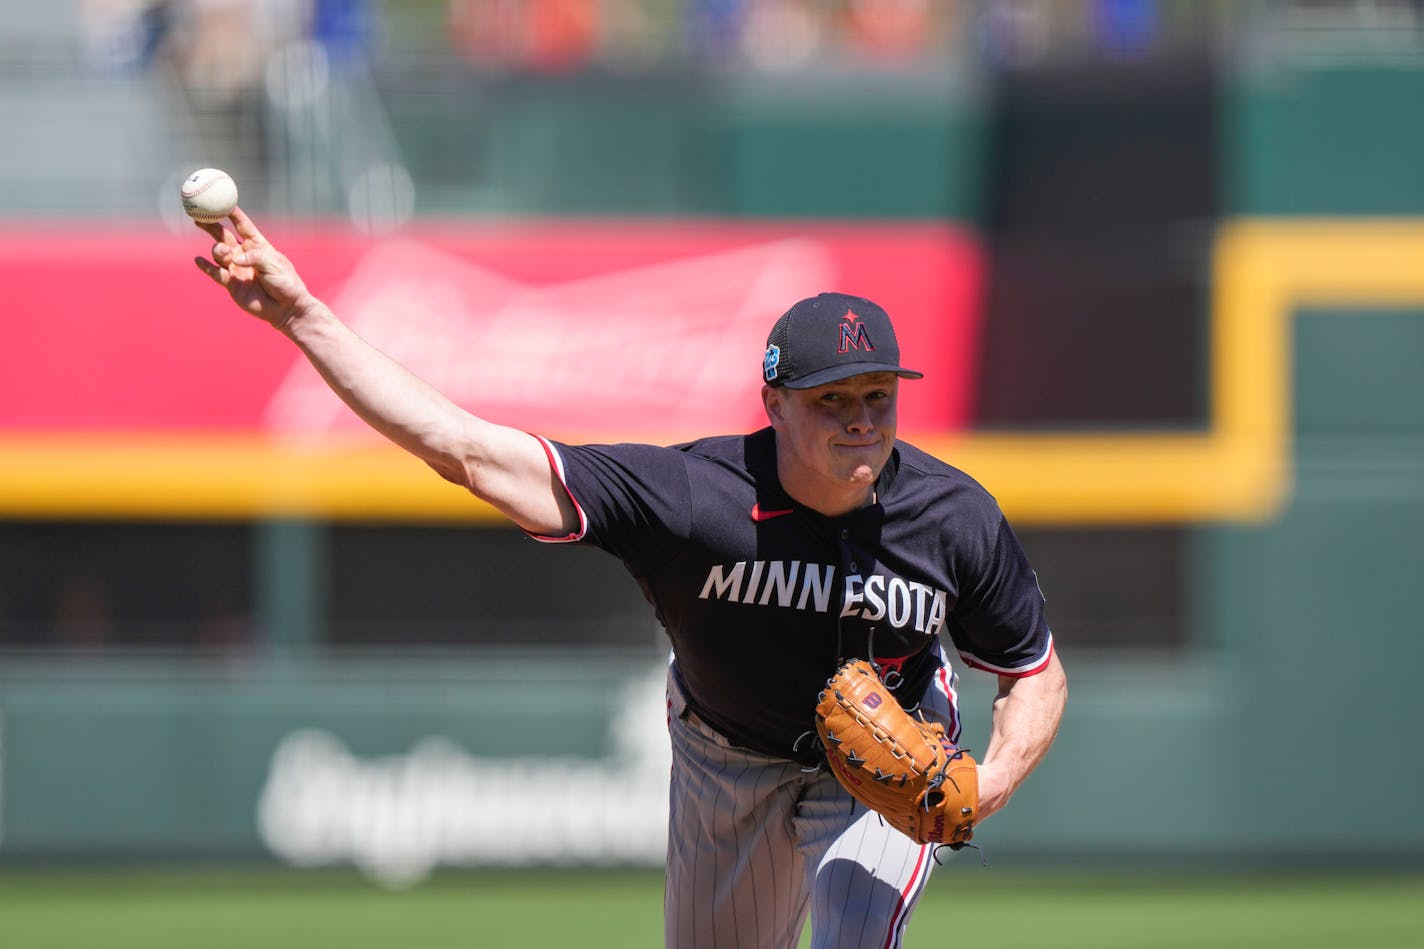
[904, 768]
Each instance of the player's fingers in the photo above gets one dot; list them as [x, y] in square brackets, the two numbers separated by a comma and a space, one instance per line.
[213, 230]
[220, 234]
[249, 254]
[262, 258]
[246, 229]
[225, 255]
[218, 274]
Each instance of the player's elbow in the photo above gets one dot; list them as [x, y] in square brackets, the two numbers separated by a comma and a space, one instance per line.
[453, 471]
[450, 456]
[455, 453]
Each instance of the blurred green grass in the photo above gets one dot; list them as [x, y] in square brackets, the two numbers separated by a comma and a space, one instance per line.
[965, 906]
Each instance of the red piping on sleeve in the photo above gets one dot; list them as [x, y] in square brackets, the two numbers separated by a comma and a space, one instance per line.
[1020, 673]
[556, 464]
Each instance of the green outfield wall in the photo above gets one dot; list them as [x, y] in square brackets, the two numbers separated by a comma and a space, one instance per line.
[154, 760]
[1319, 608]
[823, 146]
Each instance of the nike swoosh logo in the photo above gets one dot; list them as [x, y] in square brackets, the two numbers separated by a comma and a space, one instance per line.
[759, 515]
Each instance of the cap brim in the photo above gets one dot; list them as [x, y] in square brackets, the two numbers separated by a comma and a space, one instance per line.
[836, 373]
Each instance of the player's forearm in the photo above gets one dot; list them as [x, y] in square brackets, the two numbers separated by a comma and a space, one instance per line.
[1026, 716]
[388, 397]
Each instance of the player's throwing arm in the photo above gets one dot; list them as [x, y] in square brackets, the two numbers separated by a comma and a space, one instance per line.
[504, 466]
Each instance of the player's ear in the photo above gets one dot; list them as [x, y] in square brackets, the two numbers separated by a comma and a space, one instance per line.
[771, 400]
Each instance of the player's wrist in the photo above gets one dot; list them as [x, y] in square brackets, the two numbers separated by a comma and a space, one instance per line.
[305, 310]
[995, 788]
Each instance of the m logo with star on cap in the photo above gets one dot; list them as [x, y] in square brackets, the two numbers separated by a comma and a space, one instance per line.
[853, 335]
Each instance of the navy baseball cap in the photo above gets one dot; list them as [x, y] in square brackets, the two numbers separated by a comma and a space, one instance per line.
[829, 337]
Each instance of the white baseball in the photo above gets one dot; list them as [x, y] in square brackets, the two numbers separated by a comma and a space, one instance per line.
[209, 195]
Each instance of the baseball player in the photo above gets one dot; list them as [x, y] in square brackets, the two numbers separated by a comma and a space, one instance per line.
[768, 557]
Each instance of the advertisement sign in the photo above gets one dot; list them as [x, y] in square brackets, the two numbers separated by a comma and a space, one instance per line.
[117, 349]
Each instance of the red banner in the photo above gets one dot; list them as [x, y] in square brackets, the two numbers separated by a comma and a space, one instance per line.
[581, 330]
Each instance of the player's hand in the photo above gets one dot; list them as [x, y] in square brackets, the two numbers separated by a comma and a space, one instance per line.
[258, 277]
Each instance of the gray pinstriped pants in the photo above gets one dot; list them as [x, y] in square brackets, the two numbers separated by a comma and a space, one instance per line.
[755, 842]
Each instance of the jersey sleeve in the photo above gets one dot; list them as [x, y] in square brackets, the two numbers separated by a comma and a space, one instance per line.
[632, 500]
[998, 624]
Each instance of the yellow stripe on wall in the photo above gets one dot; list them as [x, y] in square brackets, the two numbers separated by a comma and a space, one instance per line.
[222, 477]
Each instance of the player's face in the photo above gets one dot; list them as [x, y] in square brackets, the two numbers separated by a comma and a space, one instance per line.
[836, 437]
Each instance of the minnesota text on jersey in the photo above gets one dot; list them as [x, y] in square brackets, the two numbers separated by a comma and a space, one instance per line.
[793, 585]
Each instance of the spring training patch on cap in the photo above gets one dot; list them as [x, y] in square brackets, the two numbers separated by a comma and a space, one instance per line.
[770, 361]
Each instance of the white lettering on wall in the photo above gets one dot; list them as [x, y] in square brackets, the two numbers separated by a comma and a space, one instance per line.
[398, 817]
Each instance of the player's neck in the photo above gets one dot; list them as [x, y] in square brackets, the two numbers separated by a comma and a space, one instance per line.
[822, 494]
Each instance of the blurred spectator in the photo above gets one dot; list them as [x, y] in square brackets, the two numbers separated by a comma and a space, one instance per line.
[213, 45]
[486, 32]
[713, 28]
[276, 91]
[1014, 34]
[563, 34]
[1126, 28]
[634, 34]
[125, 34]
[220, 49]
[346, 29]
[775, 35]
[784, 34]
[540, 35]
[893, 30]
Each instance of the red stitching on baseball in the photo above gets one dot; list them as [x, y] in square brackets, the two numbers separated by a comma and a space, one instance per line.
[211, 181]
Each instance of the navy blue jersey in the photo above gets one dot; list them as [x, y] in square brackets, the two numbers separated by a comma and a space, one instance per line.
[762, 597]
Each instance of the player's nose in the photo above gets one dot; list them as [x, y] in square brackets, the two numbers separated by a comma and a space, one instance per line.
[858, 417]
